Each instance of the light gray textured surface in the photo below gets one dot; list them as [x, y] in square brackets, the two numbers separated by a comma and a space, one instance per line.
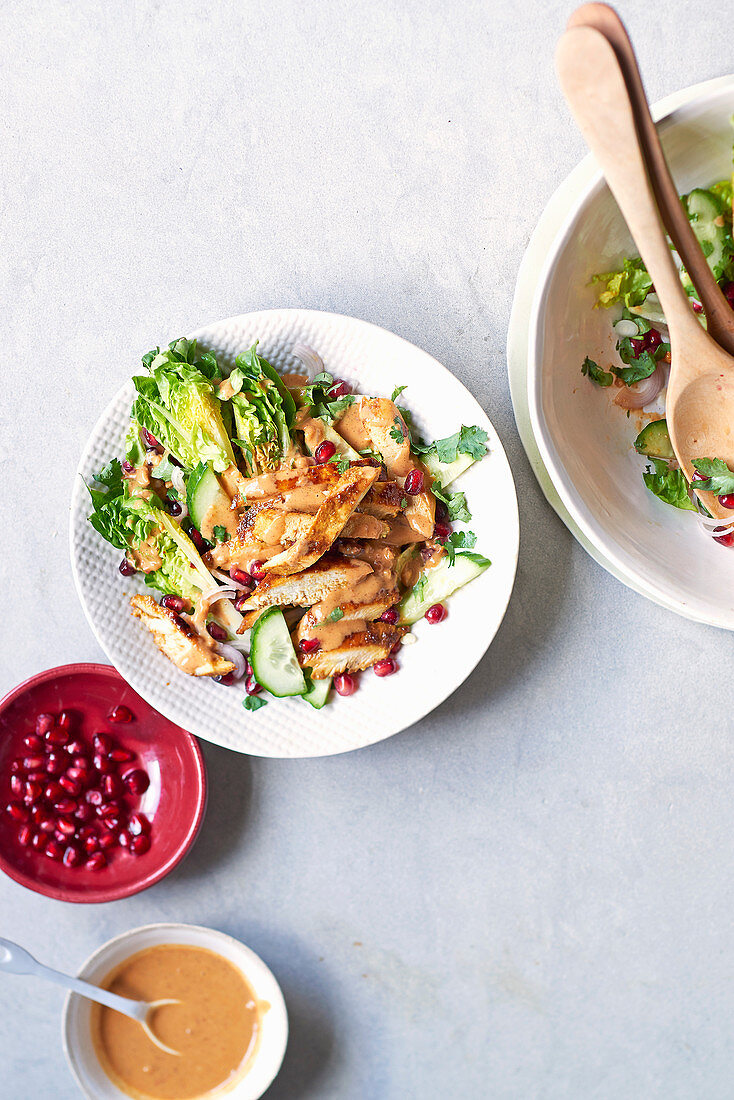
[527, 895]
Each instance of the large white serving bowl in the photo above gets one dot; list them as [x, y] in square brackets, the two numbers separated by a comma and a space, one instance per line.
[373, 361]
[586, 445]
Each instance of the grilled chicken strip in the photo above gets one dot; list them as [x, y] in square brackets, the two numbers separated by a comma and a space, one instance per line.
[360, 648]
[189, 651]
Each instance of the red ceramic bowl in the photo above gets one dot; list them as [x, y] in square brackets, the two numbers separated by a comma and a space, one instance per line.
[174, 802]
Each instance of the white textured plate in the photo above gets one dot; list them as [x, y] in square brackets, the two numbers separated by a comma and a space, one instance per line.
[373, 361]
[581, 454]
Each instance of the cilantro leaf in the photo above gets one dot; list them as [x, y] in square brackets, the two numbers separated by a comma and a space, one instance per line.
[253, 702]
[668, 485]
[719, 478]
[341, 463]
[468, 441]
[630, 286]
[638, 366]
[396, 392]
[336, 615]
[458, 540]
[456, 504]
[397, 432]
[220, 533]
[317, 389]
[595, 373]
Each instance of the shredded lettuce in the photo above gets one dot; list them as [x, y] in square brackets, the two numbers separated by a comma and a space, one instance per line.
[263, 411]
[628, 287]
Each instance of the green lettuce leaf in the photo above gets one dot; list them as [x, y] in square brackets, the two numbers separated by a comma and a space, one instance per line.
[668, 485]
[628, 287]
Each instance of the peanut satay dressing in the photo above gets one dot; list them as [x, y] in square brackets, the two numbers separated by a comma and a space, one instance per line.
[216, 1028]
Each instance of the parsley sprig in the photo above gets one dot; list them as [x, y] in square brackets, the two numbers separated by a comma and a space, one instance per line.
[719, 478]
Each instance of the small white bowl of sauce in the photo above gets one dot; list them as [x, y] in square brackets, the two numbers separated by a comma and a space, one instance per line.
[230, 1027]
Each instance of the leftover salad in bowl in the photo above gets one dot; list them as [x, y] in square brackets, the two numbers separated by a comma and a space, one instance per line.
[293, 528]
[637, 380]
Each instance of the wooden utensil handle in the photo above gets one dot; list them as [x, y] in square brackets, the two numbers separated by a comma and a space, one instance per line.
[594, 87]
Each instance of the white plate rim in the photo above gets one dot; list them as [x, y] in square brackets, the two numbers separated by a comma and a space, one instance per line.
[510, 521]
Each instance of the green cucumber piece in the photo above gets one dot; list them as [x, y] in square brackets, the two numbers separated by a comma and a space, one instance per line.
[435, 584]
[273, 657]
[706, 214]
[654, 441]
[207, 501]
[446, 472]
[318, 692]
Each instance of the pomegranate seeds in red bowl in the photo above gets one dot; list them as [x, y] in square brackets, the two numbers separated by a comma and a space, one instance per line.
[100, 795]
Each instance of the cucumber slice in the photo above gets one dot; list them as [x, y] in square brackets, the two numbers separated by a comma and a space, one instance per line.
[438, 583]
[706, 214]
[208, 503]
[273, 657]
[654, 441]
[342, 447]
[318, 693]
[446, 472]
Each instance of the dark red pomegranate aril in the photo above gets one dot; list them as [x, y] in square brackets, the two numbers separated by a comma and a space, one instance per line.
[38, 842]
[103, 763]
[121, 713]
[652, 340]
[54, 850]
[241, 577]
[391, 615]
[726, 500]
[107, 840]
[64, 719]
[728, 289]
[84, 812]
[59, 735]
[34, 763]
[44, 722]
[124, 838]
[55, 764]
[414, 482]
[436, 614]
[47, 824]
[228, 678]
[198, 539]
[113, 786]
[72, 857]
[309, 645]
[78, 748]
[32, 793]
[126, 568]
[86, 831]
[38, 777]
[102, 742]
[97, 862]
[218, 633]
[174, 507]
[138, 824]
[340, 388]
[25, 835]
[385, 667]
[121, 756]
[94, 797]
[17, 811]
[65, 826]
[34, 742]
[442, 512]
[137, 781]
[91, 843]
[726, 539]
[111, 821]
[140, 844]
[251, 685]
[78, 776]
[52, 791]
[175, 603]
[71, 786]
[697, 307]
[16, 785]
[696, 476]
[148, 439]
[256, 570]
[325, 451]
[65, 805]
[112, 807]
[344, 684]
[240, 601]
[442, 530]
[37, 814]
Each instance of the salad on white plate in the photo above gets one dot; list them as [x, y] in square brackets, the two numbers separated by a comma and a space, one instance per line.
[295, 529]
[637, 380]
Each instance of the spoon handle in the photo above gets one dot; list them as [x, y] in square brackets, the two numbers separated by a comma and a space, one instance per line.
[594, 87]
[719, 315]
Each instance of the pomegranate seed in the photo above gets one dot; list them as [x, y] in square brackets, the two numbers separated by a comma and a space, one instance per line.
[55, 765]
[240, 601]
[137, 781]
[256, 570]
[113, 786]
[121, 713]
[696, 476]
[53, 791]
[442, 530]
[126, 568]
[121, 756]
[25, 835]
[44, 722]
[127, 467]
[325, 451]
[102, 742]
[124, 839]
[218, 633]
[97, 862]
[138, 824]
[174, 603]
[34, 742]
[17, 811]
[94, 797]
[37, 814]
[65, 805]
[107, 840]
[65, 826]
[84, 812]
[442, 511]
[345, 684]
[728, 289]
[54, 850]
[47, 824]
[697, 307]
[436, 614]
[111, 808]
[38, 777]
[727, 500]
[174, 507]
[726, 539]
[59, 735]
[652, 340]
[198, 539]
[77, 748]
[33, 763]
[251, 685]
[103, 763]
[16, 785]
[339, 389]
[70, 785]
[38, 842]
[91, 843]
[64, 719]
[414, 482]
[228, 678]
[396, 648]
[79, 776]
[241, 577]
[86, 831]
[391, 615]
[140, 844]
[32, 792]
[309, 645]
[638, 346]
[148, 439]
[72, 858]
[385, 667]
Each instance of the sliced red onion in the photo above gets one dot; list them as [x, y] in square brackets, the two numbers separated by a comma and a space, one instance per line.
[642, 393]
[714, 528]
[177, 480]
[231, 654]
[309, 357]
[224, 591]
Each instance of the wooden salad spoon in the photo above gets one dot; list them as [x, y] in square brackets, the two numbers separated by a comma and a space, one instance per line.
[700, 397]
[718, 311]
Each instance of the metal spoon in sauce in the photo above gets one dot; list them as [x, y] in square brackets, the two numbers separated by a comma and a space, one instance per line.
[16, 960]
